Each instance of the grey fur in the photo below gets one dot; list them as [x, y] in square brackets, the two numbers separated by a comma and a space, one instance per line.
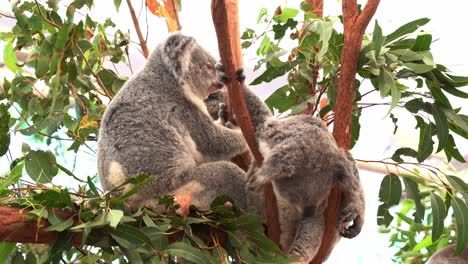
[303, 163]
[158, 125]
[217, 108]
[445, 256]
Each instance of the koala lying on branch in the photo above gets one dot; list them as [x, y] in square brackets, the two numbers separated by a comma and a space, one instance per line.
[303, 162]
[158, 125]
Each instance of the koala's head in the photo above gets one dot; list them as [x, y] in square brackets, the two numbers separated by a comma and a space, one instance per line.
[189, 63]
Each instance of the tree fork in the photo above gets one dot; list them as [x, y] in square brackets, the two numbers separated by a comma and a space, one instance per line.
[354, 27]
[226, 22]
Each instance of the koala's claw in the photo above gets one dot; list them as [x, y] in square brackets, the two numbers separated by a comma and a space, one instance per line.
[222, 77]
[222, 112]
[219, 67]
[230, 125]
[350, 231]
[240, 74]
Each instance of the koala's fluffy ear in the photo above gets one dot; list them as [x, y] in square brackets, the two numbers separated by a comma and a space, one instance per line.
[173, 49]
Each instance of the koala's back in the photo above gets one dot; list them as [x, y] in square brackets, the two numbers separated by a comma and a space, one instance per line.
[142, 132]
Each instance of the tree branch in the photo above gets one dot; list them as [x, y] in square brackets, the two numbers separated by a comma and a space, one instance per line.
[142, 40]
[17, 227]
[226, 22]
[354, 27]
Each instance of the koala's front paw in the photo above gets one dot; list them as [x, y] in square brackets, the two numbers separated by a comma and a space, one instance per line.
[240, 74]
[222, 113]
[347, 230]
[255, 181]
[221, 74]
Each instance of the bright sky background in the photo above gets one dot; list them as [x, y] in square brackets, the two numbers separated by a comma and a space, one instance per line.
[448, 27]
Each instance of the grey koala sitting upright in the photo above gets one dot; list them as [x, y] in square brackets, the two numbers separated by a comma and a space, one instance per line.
[158, 125]
[303, 162]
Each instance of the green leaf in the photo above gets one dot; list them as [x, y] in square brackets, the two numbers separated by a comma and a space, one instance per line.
[404, 151]
[107, 77]
[386, 82]
[418, 68]
[5, 251]
[377, 38]
[451, 150]
[42, 65]
[415, 105]
[264, 46]
[389, 195]
[41, 166]
[9, 57]
[63, 242]
[412, 190]
[438, 216]
[426, 242]
[325, 30]
[406, 29]
[40, 213]
[4, 130]
[441, 126]
[129, 236]
[280, 29]
[14, 175]
[61, 226]
[263, 12]
[461, 217]
[187, 252]
[455, 119]
[84, 45]
[459, 185]
[272, 73]
[426, 145]
[62, 35]
[114, 217]
[423, 42]
[117, 4]
[286, 13]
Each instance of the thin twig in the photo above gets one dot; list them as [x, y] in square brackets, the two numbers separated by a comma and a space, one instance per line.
[5, 14]
[99, 81]
[43, 16]
[143, 45]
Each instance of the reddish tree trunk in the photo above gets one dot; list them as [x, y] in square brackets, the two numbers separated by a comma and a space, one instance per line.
[226, 21]
[354, 27]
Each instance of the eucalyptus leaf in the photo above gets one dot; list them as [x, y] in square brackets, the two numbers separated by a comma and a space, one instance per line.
[389, 195]
[438, 215]
[407, 28]
[187, 252]
[442, 127]
[41, 166]
[412, 189]
[461, 218]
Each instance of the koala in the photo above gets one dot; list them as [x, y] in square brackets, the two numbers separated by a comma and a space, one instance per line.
[158, 125]
[303, 162]
[445, 256]
[216, 105]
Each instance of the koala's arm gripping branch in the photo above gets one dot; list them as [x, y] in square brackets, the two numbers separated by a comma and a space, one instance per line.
[354, 27]
[226, 21]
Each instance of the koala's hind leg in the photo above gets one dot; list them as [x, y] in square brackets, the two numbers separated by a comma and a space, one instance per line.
[210, 180]
[307, 239]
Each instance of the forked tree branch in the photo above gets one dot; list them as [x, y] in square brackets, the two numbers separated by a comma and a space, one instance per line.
[354, 27]
[144, 47]
[226, 21]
